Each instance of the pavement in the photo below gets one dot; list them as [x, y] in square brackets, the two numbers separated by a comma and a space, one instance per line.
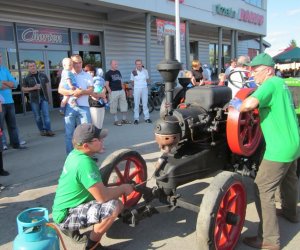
[33, 179]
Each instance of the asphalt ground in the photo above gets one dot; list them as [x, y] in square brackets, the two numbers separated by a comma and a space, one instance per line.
[34, 173]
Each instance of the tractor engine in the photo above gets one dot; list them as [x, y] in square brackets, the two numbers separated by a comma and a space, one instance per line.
[200, 119]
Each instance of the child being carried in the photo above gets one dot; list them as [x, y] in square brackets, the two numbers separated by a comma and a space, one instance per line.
[70, 83]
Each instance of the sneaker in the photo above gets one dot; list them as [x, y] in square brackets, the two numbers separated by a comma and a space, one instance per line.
[136, 122]
[118, 123]
[19, 147]
[148, 121]
[1, 187]
[43, 133]
[4, 173]
[126, 122]
[292, 219]
[5, 147]
[75, 235]
[50, 133]
[22, 142]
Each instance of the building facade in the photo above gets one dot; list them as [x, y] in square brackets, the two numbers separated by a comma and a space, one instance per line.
[47, 31]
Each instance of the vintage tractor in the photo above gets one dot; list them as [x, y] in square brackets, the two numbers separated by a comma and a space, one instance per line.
[201, 137]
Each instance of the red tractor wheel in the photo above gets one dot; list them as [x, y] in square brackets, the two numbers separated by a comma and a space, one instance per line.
[124, 166]
[222, 213]
[243, 129]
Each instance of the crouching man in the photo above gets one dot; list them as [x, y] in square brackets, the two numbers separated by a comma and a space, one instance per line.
[81, 199]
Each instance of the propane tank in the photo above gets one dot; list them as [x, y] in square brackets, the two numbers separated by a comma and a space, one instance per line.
[33, 234]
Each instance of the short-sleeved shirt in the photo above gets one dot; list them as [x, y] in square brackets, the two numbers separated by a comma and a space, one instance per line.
[80, 172]
[67, 74]
[84, 81]
[114, 78]
[278, 120]
[5, 75]
[140, 78]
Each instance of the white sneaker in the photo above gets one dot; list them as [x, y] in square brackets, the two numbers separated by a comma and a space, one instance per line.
[5, 147]
[22, 142]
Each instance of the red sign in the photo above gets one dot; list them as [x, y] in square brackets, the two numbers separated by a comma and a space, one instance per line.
[251, 17]
[168, 28]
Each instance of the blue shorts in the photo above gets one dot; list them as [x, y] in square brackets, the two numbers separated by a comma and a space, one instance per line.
[88, 214]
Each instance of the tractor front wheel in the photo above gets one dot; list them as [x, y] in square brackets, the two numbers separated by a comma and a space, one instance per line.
[222, 213]
[125, 166]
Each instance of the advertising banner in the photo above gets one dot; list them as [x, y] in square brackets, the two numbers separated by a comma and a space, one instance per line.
[168, 28]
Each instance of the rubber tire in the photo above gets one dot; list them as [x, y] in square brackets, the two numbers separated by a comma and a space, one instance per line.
[113, 160]
[209, 208]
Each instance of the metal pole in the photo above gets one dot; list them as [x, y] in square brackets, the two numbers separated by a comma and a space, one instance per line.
[187, 44]
[148, 41]
[220, 49]
[177, 30]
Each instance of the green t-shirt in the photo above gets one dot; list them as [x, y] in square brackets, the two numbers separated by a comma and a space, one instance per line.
[278, 120]
[80, 172]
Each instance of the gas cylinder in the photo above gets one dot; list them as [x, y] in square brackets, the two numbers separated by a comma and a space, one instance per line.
[33, 234]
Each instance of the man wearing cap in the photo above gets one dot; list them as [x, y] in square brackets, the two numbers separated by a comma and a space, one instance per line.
[81, 199]
[280, 128]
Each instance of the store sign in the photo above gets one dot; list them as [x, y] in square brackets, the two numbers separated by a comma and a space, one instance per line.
[242, 15]
[221, 10]
[40, 35]
[168, 28]
[250, 17]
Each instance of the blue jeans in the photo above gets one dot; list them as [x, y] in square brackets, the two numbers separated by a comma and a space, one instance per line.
[8, 115]
[74, 116]
[41, 114]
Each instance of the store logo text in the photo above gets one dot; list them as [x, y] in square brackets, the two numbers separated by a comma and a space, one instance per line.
[32, 35]
[229, 12]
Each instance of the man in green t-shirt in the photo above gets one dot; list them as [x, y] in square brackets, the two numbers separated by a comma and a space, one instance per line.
[81, 199]
[278, 168]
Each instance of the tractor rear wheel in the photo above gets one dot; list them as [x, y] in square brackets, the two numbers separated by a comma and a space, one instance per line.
[222, 213]
[124, 166]
[243, 130]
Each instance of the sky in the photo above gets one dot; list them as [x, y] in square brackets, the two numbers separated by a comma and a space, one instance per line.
[283, 24]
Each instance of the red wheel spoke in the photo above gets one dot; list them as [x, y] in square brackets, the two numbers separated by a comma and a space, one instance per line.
[135, 173]
[119, 174]
[127, 169]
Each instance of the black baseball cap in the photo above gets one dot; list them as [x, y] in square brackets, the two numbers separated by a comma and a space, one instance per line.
[86, 132]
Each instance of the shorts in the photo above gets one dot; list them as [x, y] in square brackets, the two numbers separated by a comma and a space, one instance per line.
[118, 100]
[88, 214]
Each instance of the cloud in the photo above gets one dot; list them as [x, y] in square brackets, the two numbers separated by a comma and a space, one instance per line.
[293, 12]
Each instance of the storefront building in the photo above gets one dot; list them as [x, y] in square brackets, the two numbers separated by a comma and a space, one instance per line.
[47, 31]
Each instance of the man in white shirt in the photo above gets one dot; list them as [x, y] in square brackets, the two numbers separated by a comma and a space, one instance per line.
[140, 79]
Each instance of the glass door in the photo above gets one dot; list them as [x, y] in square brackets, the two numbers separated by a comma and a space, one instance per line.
[48, 62]
[26, 56]
[54, 59]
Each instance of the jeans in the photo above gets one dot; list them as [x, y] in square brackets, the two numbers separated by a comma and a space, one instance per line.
[9, 115]
[74, 116]
[41, 114]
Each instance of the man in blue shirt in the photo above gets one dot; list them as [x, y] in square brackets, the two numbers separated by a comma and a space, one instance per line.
[7, 83]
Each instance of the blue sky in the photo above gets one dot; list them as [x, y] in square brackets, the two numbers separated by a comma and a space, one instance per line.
[283, 24]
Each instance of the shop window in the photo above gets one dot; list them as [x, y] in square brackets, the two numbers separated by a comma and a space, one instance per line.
[85, 38]
[6, 33]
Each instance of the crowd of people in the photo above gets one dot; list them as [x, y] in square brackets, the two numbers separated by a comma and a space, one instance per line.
[81, 198]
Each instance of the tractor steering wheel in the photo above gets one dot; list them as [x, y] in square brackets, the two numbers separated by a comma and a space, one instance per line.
[239, 79]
